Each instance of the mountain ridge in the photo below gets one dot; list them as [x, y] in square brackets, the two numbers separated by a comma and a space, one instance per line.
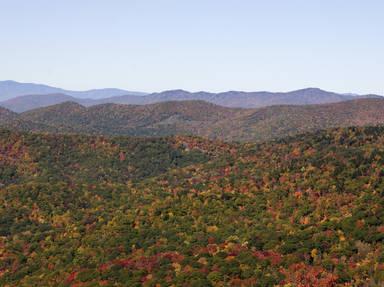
[237, 99]
[199, 118]
[10, 89]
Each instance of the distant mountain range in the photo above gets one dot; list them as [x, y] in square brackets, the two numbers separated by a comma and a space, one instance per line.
[196, 118]
[12, 89]
[21, 97]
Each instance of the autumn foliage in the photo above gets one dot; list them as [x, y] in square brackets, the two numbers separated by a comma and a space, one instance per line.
[81, 210]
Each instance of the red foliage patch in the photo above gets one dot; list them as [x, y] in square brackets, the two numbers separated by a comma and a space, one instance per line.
[71, 277]
[147, 263]
[273, 257]
[302, 275]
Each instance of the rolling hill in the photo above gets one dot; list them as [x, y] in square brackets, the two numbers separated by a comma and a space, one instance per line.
[7, 115]
[205, 119]
[12, 120]
[282, 121]
[168, 118]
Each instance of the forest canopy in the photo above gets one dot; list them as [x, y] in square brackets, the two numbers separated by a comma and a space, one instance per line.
[81, 210]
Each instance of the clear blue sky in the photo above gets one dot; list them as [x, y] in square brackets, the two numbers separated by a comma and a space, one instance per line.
[213, 45]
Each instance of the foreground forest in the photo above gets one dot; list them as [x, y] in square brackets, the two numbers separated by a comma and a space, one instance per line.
[182, 211]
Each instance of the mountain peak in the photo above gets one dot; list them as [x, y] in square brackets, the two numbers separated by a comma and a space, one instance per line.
[62, 108]
[9, 82]
[312, 90]
[178, 91]
[69, 104]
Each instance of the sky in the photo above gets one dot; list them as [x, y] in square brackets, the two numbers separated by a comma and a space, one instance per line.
[211, 45]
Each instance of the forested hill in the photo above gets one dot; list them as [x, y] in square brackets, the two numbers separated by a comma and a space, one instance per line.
[99, 211]
[197, 118]
[170, 118]
[12, 120]
[50, 157]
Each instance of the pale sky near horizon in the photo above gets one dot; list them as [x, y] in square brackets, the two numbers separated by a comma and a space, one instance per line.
[212, 45]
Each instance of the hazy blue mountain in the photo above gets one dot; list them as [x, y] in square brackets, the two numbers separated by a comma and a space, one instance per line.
[25, 103]
[240, 99]
[42, 96]
[11, 89]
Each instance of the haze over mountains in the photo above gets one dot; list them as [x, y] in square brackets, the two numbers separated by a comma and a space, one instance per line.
[21, 97]
[11, 89]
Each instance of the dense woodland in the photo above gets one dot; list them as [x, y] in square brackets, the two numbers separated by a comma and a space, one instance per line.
[196, 118]
[81, 210]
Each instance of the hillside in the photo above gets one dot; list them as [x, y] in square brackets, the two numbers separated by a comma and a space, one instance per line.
[169, 118]
[281, 121]
[97, 211]
[72, 157]
[205, 119]
[7, 115]
[12, 120]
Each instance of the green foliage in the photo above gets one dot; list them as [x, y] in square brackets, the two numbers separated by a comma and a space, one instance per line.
[98, 211]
